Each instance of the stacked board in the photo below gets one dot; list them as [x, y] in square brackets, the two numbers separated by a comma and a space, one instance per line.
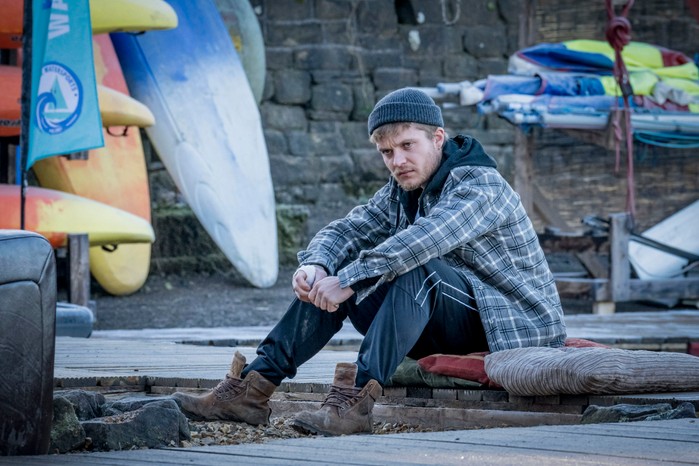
[208, 132]
[218, 160]
[116, 175]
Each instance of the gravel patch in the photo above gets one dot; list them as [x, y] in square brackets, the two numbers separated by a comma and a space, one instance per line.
[205, 433]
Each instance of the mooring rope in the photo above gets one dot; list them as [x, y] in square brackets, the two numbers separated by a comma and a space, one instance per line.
[618, 35]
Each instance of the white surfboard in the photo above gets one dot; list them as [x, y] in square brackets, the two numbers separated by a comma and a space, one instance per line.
[208, 132]
[680, 230]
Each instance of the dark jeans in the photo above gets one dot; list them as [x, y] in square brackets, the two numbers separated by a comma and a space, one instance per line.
[426, 311]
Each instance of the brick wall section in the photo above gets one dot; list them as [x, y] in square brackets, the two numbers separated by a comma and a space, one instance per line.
[329, 61]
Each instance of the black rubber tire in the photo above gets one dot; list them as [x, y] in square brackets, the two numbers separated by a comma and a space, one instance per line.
[27, 342]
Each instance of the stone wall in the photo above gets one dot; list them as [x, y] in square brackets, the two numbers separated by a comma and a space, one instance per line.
[328, 61]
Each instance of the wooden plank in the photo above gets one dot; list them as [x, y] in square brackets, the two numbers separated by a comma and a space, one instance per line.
[620, 268]
[596, 289]
[674, 288]
[547, 212]
[79, 269]
[660, 325]
[624, 440]
[594, 264]
[389, 449]
[527, 31]
[76, 358]
[647, 431]
[217, 336]
[551, 243]
[635, 327]
[146, 354]
[524, 169]
[630, 443]
[599, 289]
[524, 143]
[213, 456]
[152, 457]
[458, 418]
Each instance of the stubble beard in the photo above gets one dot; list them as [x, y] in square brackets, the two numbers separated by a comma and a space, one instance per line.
[409, 187]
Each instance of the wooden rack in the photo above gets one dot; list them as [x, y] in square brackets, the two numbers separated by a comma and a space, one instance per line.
[618, 286]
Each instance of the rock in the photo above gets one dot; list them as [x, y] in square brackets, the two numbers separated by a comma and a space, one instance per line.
[66, 432]
[292, 87]
[283, 117]
[114, 408]
[683, 411]
[485, 41]
[628, 413]
[87, 405]
[157, 424]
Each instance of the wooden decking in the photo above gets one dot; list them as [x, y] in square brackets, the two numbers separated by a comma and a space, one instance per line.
[155, 354]
[161, 367]
[150, 361]
[653, 331]
[635, 443]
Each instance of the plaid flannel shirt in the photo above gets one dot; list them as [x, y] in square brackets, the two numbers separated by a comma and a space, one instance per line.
[478, 225]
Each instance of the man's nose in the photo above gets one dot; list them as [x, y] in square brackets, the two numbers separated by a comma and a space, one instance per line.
[399, 158]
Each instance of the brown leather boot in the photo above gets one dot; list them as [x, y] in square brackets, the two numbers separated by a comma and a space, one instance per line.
[233, 399]
[346, 409]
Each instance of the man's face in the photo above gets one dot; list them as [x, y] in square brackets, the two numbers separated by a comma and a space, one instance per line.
[411, 156]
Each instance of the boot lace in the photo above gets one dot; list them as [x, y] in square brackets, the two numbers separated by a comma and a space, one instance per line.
[342, 397]
[228, 388]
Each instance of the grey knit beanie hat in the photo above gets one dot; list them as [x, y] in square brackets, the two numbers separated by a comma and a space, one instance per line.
[405, 105]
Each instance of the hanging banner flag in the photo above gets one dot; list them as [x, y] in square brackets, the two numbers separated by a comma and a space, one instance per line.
[65, 115]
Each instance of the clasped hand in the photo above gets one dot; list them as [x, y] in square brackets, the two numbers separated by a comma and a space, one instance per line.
[325, 293]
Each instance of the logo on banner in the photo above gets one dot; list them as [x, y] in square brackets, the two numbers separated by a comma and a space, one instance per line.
[59, 98]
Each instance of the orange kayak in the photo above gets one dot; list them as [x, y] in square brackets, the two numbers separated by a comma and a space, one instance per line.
[56, 214]
[11, 85]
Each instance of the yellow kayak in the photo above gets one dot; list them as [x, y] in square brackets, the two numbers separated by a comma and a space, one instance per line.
[106, 16]
[119, 109]
[131, 15]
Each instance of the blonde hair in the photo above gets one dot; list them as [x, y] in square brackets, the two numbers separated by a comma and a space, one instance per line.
[391, 130]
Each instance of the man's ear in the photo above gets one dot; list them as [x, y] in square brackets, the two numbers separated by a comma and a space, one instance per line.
[439, 137]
